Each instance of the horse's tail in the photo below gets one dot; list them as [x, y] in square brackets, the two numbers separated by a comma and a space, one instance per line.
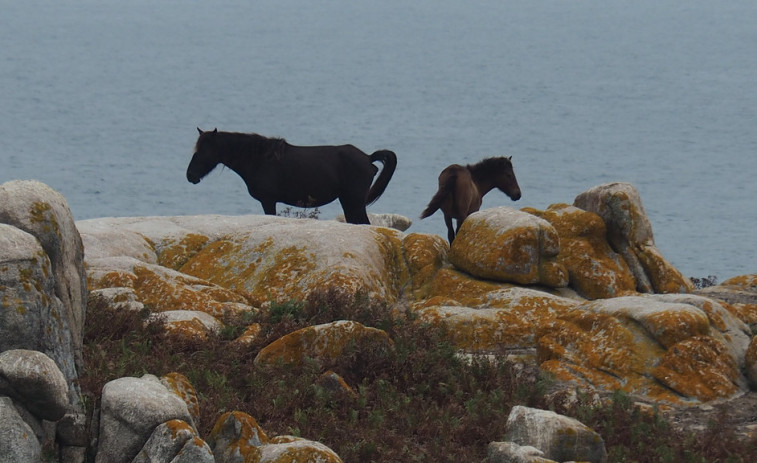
[389, 159]
[445, 189]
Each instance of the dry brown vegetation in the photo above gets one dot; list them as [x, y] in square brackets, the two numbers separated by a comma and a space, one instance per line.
[417, 402]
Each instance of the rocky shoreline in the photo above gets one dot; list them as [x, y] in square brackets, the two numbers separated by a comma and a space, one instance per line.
[580, 288]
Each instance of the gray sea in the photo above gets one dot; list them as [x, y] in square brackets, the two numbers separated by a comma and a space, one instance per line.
[101, 100]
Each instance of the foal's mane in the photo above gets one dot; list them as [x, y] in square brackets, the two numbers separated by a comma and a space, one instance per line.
[489, 165]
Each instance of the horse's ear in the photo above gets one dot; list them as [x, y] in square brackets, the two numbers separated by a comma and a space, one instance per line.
[510, 158]
[215, 130]
[199, 130]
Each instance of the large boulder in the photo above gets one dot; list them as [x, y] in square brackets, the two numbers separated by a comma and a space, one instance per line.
[131, 410]
[560, 438]
[175, 441]
[37, 209]
[324, 343]
[34, 380]
[17, 439]
[258, 258]
[504, 244]
[32, 315]
[629, 232]
[667, 351]
[594, 270]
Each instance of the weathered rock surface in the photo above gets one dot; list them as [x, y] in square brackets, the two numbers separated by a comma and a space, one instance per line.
[131, 410]
[37, 209]
[559, 437]
[34, 380]
[630, 235]
[520, 248]
[581, 291]
[324, 343]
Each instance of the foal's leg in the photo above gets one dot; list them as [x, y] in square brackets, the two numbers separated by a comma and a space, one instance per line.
[450, 228]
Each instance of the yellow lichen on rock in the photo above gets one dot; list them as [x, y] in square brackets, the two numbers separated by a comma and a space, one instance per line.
[664, 277]
[594, 269]
[508, 245]
[174, 254]
[424, 255]
[700, 368]
[324, 343]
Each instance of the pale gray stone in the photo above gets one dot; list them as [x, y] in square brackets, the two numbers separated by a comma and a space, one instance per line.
[560, 438]
[510, 452]
[131, 409]
[43, 212]
[18, 442]
[174, 441]
[34, 380]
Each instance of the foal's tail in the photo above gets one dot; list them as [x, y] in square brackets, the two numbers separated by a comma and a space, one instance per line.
[445, 189]
[389, 159]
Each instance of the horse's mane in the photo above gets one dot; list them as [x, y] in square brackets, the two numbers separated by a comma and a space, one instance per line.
[488, 165]
[238, 143]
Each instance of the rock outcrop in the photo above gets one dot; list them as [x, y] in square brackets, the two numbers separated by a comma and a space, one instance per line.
[578, 290]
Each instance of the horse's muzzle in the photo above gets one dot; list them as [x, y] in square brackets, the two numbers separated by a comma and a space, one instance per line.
[193, 179]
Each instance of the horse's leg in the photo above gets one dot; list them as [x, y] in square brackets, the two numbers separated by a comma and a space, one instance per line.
[450, 228]
[354, 211]
[269, 207]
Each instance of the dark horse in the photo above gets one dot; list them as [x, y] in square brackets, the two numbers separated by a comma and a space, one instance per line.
[462, 188]
[302, 176]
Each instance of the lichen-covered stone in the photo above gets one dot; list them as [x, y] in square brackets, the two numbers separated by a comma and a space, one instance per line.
[560, 438]
[595, 271]
[182, 387]
[34, 380]
[325, 343]
[508, 245]
[236, 438]
[425, 255]
[643, 346]
[699, 367]
[290, 449]
[502, 318]
[629, 232]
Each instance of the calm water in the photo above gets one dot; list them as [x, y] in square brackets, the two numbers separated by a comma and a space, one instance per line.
[100, 100]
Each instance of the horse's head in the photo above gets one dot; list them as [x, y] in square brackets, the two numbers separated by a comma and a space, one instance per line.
[205, 158]
[504, 177]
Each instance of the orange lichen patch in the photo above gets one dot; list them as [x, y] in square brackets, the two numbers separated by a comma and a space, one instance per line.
[163, 291]
[594, 269]
[295, 450]
[424, 255]
[665, 322]
[324, 342]
[192, 329]
[113, 279]
[571, 372]
[461, 287]
[237, 434]
[179, 428]
[509, 245]
[216, 264]
[249, 335]
[481, 330]
[699, 368]
[664, 277]
[744, 282]
[390, 245]
[174, 255]
[335, 384]
[182, 387]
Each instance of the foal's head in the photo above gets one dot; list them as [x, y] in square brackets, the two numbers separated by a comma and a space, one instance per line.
[206, 157]
[501, 172]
